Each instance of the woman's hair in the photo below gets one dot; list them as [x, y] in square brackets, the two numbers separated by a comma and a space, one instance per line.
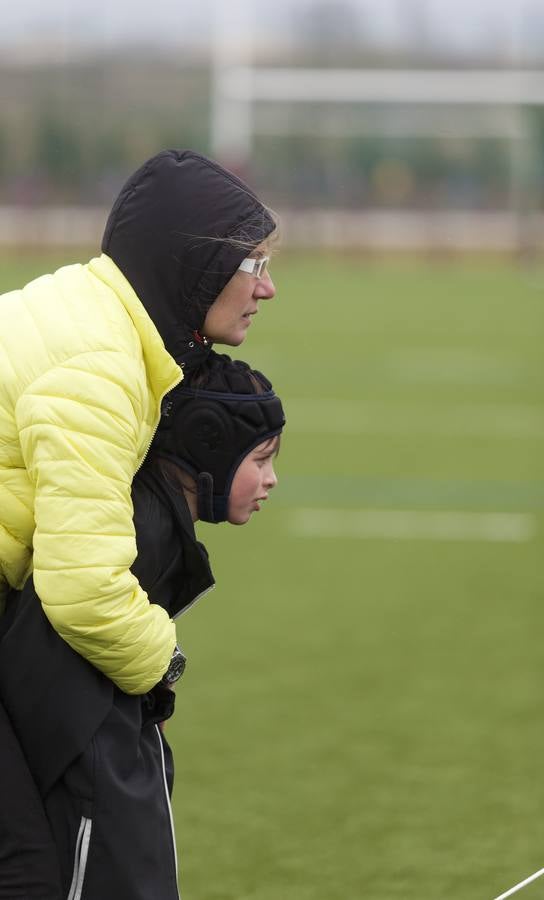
[244, 239]
[221, 411]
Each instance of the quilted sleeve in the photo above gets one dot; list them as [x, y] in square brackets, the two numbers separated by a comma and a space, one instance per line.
[79, 425]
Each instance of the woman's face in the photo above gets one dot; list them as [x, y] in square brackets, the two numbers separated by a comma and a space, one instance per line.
[254, 478]
[230, 314]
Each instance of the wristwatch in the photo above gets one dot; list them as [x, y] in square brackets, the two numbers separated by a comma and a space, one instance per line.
[176, 667]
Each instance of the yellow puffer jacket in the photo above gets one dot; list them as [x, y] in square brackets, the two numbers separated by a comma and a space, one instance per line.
[82, 373]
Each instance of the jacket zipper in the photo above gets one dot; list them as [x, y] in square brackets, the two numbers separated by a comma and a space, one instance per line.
[168, 804]
[193, 601]
[158, 422]
[80, 858]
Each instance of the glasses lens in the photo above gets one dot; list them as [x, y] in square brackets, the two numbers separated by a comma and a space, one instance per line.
[256, 267]
[260, 266]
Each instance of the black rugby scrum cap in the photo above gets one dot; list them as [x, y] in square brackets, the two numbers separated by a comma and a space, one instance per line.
[211, 421]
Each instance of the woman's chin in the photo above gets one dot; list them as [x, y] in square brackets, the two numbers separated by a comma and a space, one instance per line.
[238, 518]
[232, 339]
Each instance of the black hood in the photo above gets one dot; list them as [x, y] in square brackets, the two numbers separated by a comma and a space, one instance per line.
[171, 233]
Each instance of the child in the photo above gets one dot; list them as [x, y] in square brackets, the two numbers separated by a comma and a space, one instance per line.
[98, 757]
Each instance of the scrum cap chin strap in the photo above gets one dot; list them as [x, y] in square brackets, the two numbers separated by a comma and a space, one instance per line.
[209, 433]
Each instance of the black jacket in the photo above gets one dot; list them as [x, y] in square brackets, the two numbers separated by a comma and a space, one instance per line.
[55, 699]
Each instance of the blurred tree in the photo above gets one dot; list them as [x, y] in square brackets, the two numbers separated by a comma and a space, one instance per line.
[393, 182]
[4, 153]
[109, 150]
[58, 152]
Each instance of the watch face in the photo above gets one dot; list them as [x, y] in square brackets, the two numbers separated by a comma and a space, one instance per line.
[176, 668]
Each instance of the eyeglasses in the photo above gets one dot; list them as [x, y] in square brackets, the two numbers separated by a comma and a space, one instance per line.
[254, 266]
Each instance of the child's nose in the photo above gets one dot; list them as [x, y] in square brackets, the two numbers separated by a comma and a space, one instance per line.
[265, 288]
[271, 479]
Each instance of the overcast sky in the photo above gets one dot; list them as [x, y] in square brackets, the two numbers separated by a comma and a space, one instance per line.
[461, 23]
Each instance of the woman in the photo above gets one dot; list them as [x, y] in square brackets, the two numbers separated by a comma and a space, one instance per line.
[86, 356]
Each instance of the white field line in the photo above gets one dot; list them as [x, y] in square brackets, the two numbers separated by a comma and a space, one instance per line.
[339, 416]
[524, 883]
[412, 525]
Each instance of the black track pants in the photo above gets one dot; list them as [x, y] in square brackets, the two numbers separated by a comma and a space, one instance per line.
[29, 868]
[110, 812]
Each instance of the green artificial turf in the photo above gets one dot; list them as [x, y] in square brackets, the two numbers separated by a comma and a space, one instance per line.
[364, 717]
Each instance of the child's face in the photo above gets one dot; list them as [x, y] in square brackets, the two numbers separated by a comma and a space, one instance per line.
[254, 478]
[229, 316]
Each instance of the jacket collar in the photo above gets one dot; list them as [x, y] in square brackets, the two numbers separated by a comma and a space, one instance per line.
[193, 575]
[162, 371]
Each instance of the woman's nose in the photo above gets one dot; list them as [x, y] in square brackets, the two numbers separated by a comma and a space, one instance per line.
[271, 479]
[265, 288]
